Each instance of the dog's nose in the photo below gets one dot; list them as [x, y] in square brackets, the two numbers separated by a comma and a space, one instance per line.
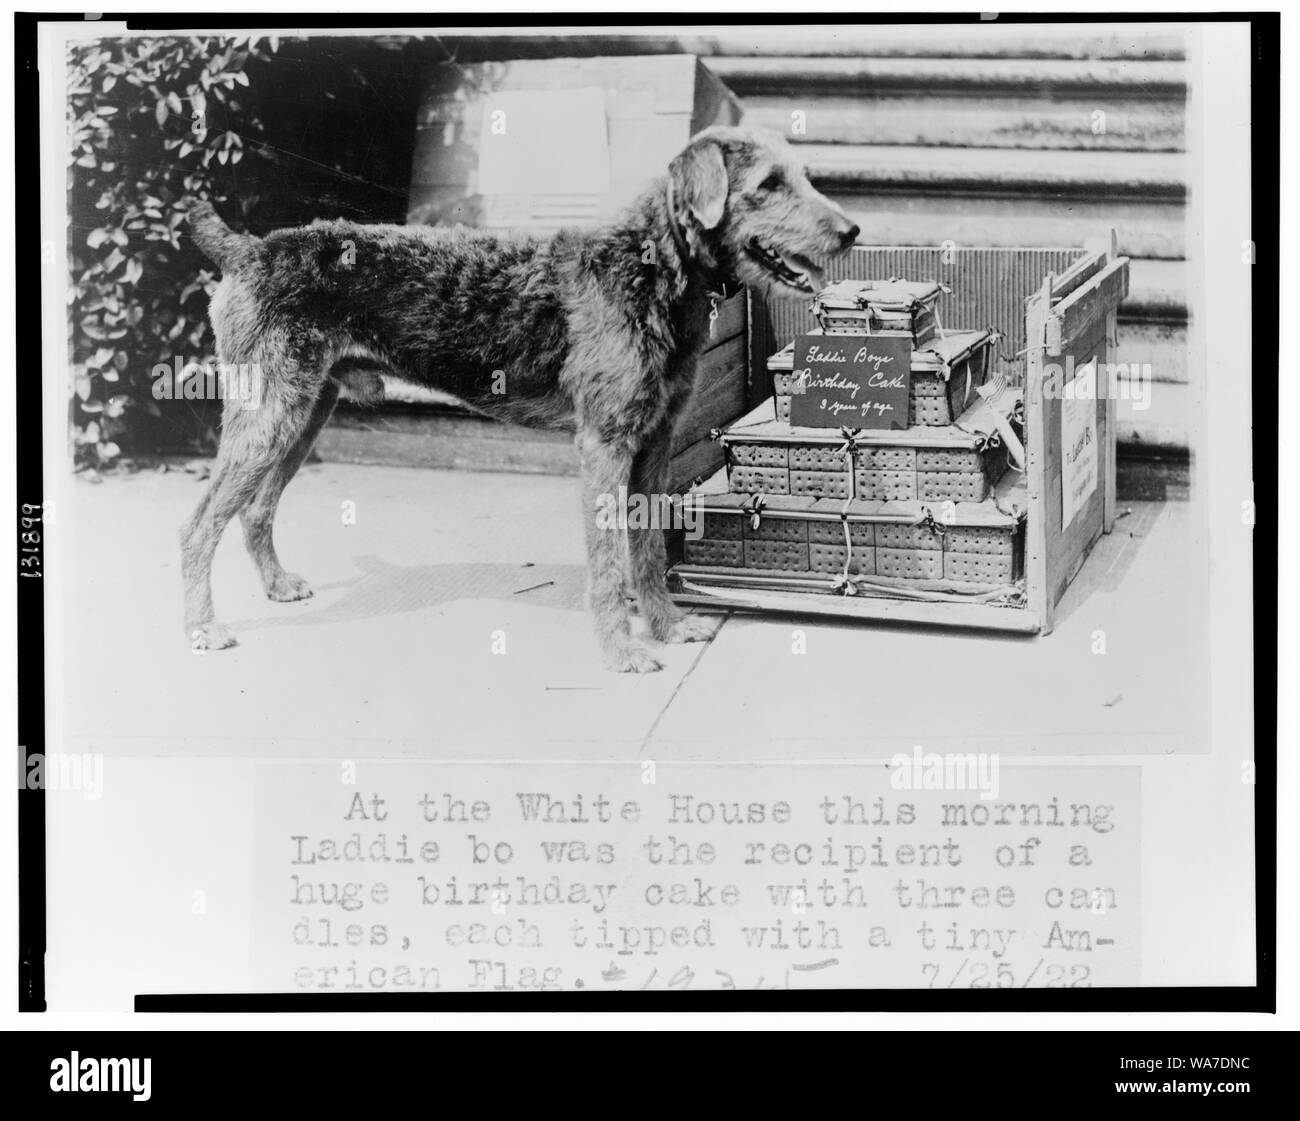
[850, 236]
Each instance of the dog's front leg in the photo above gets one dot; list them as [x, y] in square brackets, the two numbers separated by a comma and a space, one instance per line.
[667, 621]
[606, 469]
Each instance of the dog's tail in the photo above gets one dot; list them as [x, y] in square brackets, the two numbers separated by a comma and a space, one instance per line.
[225, 247]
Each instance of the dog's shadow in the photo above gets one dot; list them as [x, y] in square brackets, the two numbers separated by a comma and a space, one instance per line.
[388, 589]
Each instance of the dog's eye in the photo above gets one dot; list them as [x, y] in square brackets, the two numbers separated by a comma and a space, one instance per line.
[771, 183]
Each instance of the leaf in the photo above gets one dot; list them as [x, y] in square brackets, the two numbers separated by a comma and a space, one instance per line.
[81, 386]
[160, 113]
[102, 355]
[174, 102]
[97, 238]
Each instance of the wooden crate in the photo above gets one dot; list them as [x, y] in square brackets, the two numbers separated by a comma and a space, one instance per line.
[1069, 323]
[652, 105]
[718, 399]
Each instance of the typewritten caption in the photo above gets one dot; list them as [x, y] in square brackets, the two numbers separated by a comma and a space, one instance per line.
[512, 877]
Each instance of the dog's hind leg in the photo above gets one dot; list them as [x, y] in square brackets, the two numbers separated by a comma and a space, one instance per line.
[258, 516]
[606, 467]
[254, 442]
[648, 559]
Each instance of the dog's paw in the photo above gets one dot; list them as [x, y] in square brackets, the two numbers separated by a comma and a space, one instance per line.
[690, 628]
[211, 636]
[633, 657]
[288, 587]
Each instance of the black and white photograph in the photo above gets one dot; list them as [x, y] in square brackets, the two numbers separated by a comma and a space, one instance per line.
[659, 512]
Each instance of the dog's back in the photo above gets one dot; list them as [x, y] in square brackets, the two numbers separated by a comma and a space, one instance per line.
[478, 315]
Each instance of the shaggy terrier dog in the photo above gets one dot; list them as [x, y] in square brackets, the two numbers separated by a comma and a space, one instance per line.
[594, 332]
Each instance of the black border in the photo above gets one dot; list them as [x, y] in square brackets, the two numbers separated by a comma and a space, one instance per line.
[1265, 210]
[28, 449]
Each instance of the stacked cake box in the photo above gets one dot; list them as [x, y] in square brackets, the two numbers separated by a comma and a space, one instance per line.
[933, 508]
[773, 458]
[946, 372]
[965, 543]
[880, 307]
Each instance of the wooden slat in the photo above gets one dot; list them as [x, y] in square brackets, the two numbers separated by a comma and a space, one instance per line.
[1076, 312]
[1155, 230]
[1083, 270]
[986, 39]
[971, 615]
[794, 76]
[730, 322]
[1067, 547]
[698, 460]
[1131, 124]
[1154, 176]
[1108, 443]
[1036, 310]
[719, 396]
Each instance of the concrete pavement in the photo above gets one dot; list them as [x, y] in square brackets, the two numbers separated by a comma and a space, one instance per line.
[448, 622]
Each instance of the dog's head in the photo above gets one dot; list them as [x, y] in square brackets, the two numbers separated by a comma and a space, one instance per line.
[750, 214]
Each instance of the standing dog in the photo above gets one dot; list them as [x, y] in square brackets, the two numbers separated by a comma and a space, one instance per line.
[593, 332]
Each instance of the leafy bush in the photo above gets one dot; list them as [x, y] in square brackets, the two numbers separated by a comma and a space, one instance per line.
[150, 121]
[275, 133]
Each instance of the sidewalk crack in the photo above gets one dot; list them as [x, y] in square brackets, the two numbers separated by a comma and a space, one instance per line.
[704, 646]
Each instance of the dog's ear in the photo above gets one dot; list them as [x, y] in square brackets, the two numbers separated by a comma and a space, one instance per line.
[699, 176]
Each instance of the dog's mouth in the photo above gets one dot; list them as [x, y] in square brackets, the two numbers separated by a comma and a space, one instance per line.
[790, 269]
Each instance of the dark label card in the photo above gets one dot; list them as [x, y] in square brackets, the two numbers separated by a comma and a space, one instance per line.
[854, 381]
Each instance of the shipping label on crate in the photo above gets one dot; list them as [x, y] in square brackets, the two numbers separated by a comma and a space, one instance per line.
[1078, 443]
[855, 381]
